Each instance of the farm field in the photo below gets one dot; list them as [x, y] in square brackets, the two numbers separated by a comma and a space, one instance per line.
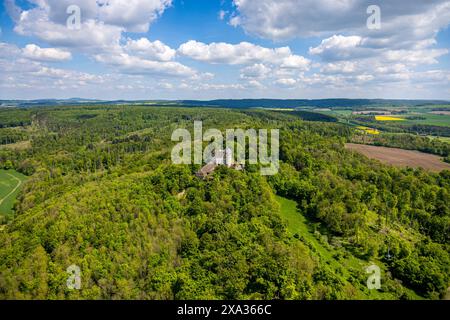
[401, 158]
[10, 184]
[414, 116]
[388, 118]
[368, 130]
[334, 112]
[430, 119]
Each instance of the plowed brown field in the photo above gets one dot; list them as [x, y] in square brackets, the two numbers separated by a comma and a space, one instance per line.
[401, 158]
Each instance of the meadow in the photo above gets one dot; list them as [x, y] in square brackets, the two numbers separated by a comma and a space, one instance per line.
[10, 185]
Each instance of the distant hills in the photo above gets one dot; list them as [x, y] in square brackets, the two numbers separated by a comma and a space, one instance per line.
[319, 103]
[230, 103]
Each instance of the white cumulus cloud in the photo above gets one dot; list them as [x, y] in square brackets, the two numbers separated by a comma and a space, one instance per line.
[34, 52]
[242, 53]
[150, 50]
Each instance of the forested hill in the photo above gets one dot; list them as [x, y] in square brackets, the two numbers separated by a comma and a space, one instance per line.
[322, 103]
[102, 194]
[230, 103]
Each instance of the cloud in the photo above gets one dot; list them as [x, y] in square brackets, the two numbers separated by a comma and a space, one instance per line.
[340, 47]
[295, 62]
[340, 67]
[150, 50]
[352, 55]
[242, 53]
[415, 57]
[64, 74]
[234, 21]
[131, 15]
[136, 65]
[255, 84]
[284, 19]
[256, 71]
[166, 85]
[92, 35]
[8, 50]
[222, 14]
[286, 82]
[34, 52]
[345, 58]
[12, 10]
[27, 76]
[232, 86]
[20, 72]
[102, 21]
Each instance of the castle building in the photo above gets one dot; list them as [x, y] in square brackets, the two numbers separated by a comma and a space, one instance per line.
[221, 157]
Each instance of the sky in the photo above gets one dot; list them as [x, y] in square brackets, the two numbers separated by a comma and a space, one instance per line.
[224, 49]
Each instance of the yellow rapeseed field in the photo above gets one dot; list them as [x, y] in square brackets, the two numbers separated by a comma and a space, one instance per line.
[388, 118]
[368, 130]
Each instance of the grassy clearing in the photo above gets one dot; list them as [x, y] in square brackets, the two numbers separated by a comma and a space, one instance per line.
[10, 184]
[18, 146]
[345, 265]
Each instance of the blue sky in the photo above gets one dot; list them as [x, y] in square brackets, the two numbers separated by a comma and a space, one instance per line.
[207, 49]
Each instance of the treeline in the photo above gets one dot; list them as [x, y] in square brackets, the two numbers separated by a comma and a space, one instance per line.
[313, 116]
[427, 130]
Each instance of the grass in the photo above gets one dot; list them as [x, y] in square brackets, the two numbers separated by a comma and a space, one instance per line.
[10, 184]
[347, 264]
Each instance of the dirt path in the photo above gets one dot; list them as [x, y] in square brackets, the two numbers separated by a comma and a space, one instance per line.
[14, 190]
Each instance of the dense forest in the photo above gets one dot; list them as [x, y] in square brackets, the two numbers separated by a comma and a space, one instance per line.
[103, 194]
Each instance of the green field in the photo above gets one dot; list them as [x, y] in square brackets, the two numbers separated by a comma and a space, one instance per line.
[345, 265]
[10, 184]
[430, 120]
[338, 112]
